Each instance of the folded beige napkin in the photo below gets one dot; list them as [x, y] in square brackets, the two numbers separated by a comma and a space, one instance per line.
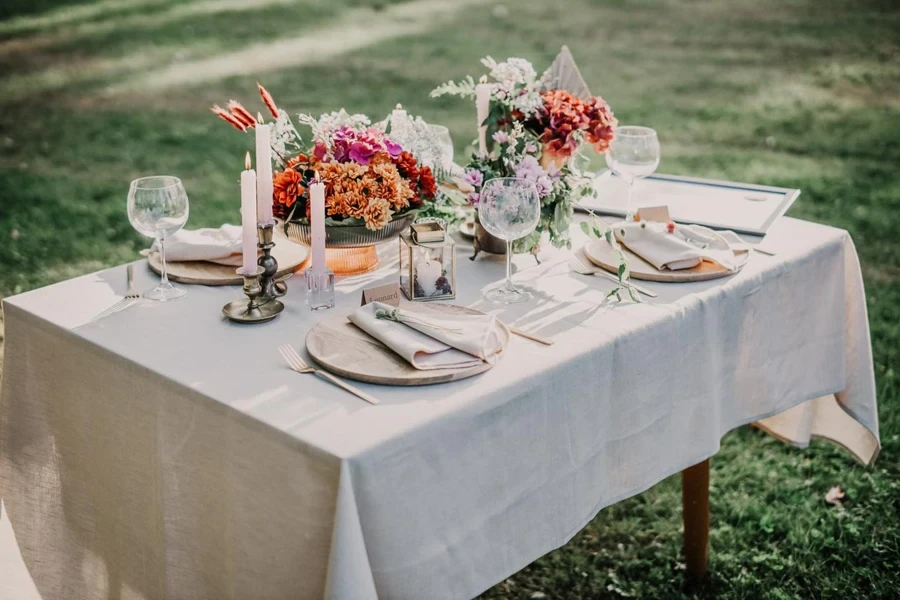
[683, 248]
[430, 340]
[221, 245]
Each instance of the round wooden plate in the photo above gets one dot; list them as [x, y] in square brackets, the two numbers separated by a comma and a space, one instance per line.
[601, 254]
[341, 347]
[288, 254]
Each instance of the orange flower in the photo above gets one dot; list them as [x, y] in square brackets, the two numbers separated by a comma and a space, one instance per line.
[288, 186]
[376, 214]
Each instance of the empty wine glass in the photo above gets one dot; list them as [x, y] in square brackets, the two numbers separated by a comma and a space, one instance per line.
[158, 207]
[509, 208]
[632, 155]
[443, 136]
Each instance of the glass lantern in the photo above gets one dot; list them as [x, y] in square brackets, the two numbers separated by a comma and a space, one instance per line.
[427, 261]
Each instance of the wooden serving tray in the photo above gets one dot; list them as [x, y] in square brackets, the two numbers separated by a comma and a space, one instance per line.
[601, 254]
[341, 347]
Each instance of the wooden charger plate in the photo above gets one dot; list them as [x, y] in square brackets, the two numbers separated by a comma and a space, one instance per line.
[341, 347]
[601, 254]
[288, 254]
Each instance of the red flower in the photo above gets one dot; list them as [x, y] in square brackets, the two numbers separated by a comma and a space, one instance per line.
[427, 183]
[408, 168]
[565, 114]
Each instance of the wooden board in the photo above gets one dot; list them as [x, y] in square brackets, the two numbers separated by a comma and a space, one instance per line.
[341, 347]
[290, 257]
[601, 254]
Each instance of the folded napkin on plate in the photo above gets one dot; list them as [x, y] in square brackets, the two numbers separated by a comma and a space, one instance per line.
[683, 248]
[433, 340]
[221, 245]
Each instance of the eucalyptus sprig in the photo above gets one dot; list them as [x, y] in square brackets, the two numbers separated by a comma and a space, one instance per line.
[404, 317]
[598, 230]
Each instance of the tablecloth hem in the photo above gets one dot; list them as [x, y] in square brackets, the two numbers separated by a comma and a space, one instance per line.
[698, 458]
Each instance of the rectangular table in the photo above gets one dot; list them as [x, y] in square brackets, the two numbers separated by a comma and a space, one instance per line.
[165, 452]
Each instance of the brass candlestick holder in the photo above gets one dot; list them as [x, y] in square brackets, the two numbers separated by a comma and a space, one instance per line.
[271, 289]
[255, 308]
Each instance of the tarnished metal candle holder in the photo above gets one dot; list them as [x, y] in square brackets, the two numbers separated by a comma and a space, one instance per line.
[271, 289]
[255, 308]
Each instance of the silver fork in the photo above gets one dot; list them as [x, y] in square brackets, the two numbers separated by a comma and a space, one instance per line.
[582, 269]
[131, 296]
[292, 357]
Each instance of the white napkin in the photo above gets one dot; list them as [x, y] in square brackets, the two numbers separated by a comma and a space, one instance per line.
[684, 248]
[221, 245]
[474, 339]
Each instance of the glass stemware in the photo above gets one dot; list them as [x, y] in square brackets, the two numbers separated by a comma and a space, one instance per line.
[157, 208]
[632, 155]
[509, 208]
[443, 136]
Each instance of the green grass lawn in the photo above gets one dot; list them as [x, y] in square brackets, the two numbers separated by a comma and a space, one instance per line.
[795, 93]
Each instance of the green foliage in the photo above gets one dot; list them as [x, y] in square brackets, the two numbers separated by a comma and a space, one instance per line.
[799, 94]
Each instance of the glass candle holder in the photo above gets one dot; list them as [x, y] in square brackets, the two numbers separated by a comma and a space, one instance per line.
[427, 268]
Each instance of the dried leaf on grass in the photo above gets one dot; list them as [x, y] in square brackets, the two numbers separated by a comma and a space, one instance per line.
[835, 496]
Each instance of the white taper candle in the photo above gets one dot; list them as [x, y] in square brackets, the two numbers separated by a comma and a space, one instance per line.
[317, 224]
[264, 186]
[248, 218]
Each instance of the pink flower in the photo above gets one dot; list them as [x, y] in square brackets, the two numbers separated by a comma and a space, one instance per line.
[473, 198]
[319, 150]
[393, 149]
[361, 152]
[501, 137]
[360, 146]
[474, 177]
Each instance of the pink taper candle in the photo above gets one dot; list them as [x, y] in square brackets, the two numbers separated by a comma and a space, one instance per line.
[248, 218]
[264, 185]
[317, 224]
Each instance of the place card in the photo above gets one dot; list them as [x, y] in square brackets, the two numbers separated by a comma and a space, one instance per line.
[388, 293]
[659, 214]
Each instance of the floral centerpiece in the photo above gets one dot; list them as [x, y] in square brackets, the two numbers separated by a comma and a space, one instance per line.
[374, 184]
[369, 178]
[537, 133]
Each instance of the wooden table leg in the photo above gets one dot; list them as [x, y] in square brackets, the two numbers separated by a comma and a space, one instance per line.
[695, 503]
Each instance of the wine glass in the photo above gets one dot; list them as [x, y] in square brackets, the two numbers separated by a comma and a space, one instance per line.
[446, 143]
[633, 154]
[158, 207]
[509, 208]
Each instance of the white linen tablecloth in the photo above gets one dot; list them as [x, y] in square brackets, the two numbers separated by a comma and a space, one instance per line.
[164, 452]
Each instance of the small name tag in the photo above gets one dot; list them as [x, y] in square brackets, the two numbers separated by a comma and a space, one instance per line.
[660, 214]
[388, 293]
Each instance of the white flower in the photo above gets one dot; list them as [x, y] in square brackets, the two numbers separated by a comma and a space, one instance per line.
[529, 102]
[513, 71]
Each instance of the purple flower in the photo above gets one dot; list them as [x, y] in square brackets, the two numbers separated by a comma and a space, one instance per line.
[501, 137]
[393, 148]
[544, 185]
[474, 198]
[361, 152]
[530, 169]
[473, 177]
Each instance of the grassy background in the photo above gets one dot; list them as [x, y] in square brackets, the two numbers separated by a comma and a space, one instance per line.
[795, 93]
